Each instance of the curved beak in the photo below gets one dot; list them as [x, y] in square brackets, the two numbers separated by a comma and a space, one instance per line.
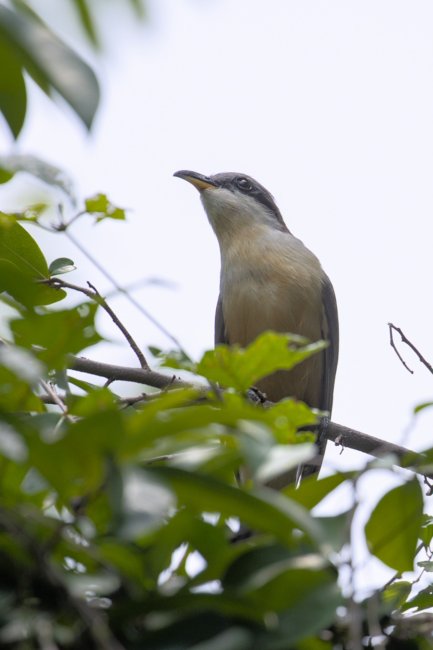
[198, 180]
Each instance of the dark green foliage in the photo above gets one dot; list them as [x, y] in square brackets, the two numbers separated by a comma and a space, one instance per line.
[127, 525]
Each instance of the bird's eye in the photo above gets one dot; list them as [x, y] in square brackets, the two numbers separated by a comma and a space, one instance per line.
[244, 184]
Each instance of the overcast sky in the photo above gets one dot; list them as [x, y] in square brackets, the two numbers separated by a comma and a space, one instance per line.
[330, 106]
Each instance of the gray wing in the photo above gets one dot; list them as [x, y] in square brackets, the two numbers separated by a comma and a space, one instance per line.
[220, 330]
[330, 334]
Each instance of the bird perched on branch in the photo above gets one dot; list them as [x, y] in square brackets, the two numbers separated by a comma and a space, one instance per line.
[270, 281]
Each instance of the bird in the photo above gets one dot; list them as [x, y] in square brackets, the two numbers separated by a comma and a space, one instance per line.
[270, 280]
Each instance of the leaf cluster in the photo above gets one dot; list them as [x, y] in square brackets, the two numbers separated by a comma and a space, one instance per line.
[29, 48]
[128, 526]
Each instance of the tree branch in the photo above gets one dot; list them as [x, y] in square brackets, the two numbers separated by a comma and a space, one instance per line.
[337, 433]
[122, 373]
[94, 295]
[410, 344]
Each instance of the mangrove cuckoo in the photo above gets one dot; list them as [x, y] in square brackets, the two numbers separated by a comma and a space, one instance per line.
[270, 281]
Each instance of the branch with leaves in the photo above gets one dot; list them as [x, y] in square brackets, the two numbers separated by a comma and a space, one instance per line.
[104, 489]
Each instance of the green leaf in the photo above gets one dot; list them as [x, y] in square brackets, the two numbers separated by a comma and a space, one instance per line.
[22, 265]
[58, 333]
[5, 175]
[43, 171]
[51, 63]
[261, 509]
[86, 21]
[20, 373]
[240, 368]
[13, 96]
[176, 359]
[393, 529]
[83, 450]
[100, 206]
[421, 407]
[426, 532]
[395, 595]
[61, 265]
[312, 491]
[336, 529]
[422, 600]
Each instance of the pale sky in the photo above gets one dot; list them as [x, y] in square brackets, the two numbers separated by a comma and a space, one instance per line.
[327, 104]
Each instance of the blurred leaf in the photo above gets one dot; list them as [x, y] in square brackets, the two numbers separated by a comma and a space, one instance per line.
[19, 373]
[294, 586]
[282, 458]
[98, 400]
[22, 363]
[84, 449]
[12, 445]
[422, 600]
[86, 20]
[176, 359]
[395, 594]
[314, 610]
[42, 170]
[51, 63]
[146, 504]
[139, 7]
[393, 529]
[261, 509]
[426, 532]
[240, 368]
[61, 265]
[22, 264]
[13, 96]
[58, 333]
[5, 175]
[312, 491]
[336, 529]
[421, 407]
[102, 208]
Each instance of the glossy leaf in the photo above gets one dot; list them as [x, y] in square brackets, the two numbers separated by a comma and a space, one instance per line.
[393, 529]
[23, 266]
[61, 265]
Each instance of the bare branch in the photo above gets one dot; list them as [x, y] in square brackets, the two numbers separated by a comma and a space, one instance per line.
[122, 373]
[52, 397]
[94, 294]
[410, 344]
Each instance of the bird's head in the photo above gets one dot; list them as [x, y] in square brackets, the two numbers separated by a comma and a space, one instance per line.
[235, 203]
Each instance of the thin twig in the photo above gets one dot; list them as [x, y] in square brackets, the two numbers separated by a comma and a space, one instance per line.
[54, 398]
[94, 294]
[123, 291]
[410, 344]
